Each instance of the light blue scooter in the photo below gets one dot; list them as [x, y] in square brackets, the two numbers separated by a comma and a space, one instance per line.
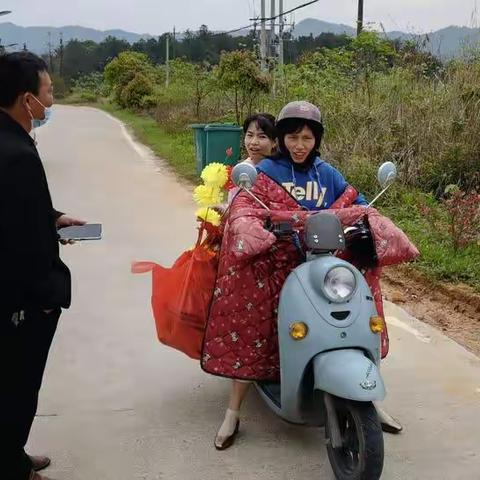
[330, 346]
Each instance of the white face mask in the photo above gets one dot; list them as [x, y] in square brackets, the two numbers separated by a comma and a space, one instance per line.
[36, 122]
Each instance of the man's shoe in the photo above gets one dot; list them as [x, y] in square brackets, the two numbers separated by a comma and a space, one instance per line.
[39, 463]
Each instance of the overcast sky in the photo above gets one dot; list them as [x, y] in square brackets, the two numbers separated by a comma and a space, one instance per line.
[158, 16]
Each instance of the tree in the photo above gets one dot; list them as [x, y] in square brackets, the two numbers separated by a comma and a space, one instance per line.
[79, 58]
[133, 95]
[123, 70]
[324, 72]
[411, 55]
[295, 48]
[204, 83]
[239, 72]
[371, 54]
[154, 48]
[109, 49]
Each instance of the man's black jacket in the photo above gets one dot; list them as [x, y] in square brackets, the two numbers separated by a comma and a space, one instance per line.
[31, 272]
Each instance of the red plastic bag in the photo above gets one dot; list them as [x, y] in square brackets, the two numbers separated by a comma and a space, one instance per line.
[181, 297]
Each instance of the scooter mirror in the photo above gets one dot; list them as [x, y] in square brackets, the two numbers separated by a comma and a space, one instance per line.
[244, 175]
[387, 173]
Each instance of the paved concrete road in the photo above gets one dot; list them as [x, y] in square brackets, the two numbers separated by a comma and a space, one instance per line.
[116, 405]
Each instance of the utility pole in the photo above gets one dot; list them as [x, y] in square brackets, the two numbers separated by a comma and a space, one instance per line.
[255, 38]
[61, 52]
[174, 41]
[280, 35]
[2, 13]
[360, 17]
[263, 32]
[263, 38]
[50, 53]
[474, 20]
[272, 52]
[167, 60]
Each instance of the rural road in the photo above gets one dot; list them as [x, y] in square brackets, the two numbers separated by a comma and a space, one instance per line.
[117, 405]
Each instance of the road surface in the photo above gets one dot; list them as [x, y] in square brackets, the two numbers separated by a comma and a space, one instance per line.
[117, 405]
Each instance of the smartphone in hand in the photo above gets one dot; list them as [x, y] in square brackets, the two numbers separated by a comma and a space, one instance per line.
[90, 231]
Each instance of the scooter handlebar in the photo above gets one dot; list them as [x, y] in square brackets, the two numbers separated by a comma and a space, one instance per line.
[279, 229]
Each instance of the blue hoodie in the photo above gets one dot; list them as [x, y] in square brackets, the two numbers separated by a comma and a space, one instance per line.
[315, 189]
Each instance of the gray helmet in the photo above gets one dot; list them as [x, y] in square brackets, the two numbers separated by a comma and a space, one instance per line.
[302, 109]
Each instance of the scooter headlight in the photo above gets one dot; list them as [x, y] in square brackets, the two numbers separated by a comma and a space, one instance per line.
[340, 284]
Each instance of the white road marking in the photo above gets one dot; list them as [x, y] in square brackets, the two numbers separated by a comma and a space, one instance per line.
[398, 323]
[143, 151]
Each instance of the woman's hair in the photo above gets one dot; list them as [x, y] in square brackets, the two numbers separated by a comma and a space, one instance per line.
[265, 122]
[296, 125]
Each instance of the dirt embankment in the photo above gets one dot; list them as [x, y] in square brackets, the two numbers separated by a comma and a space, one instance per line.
[454, 309]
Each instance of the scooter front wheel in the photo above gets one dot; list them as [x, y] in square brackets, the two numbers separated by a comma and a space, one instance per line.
[361, 455]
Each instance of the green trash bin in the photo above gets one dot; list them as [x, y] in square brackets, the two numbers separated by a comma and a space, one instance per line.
[200, 145]
[218, 138]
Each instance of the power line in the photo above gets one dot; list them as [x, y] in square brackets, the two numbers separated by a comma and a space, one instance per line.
[266, 19]
[239, 29]
[252, 25]
[214, 34]
[258, 19]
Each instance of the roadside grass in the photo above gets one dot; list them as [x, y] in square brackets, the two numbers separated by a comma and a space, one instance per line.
[177, 149]
[438, 261]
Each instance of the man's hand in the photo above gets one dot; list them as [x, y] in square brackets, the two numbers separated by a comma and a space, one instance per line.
[66, 221]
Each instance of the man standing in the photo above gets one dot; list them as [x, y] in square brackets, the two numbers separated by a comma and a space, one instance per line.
[34, 282]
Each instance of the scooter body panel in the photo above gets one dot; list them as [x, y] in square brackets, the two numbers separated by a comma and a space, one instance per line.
[348, 374]
[302, 300]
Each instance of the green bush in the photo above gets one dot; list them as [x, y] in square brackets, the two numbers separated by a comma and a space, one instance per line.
[93, 82]
[60, 89]
[78, 96]
[129, 77]
[137, 93]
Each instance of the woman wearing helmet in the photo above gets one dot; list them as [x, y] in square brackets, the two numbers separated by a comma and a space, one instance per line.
[314, 183]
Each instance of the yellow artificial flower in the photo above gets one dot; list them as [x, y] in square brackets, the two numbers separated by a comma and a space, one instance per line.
[207, 196]
[215, 175]
[209, 215]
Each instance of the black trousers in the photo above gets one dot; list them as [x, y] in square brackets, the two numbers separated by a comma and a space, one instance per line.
[24, 345]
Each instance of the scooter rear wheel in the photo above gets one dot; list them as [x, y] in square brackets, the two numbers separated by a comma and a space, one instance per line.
[361, 455]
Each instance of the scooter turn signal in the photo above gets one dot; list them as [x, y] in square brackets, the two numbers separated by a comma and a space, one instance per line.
[298, 330]
[377, 324]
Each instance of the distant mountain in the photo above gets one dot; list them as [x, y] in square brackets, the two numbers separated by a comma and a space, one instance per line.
[312, 26]
[452, 41]
[36, 38]
[445, 43]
